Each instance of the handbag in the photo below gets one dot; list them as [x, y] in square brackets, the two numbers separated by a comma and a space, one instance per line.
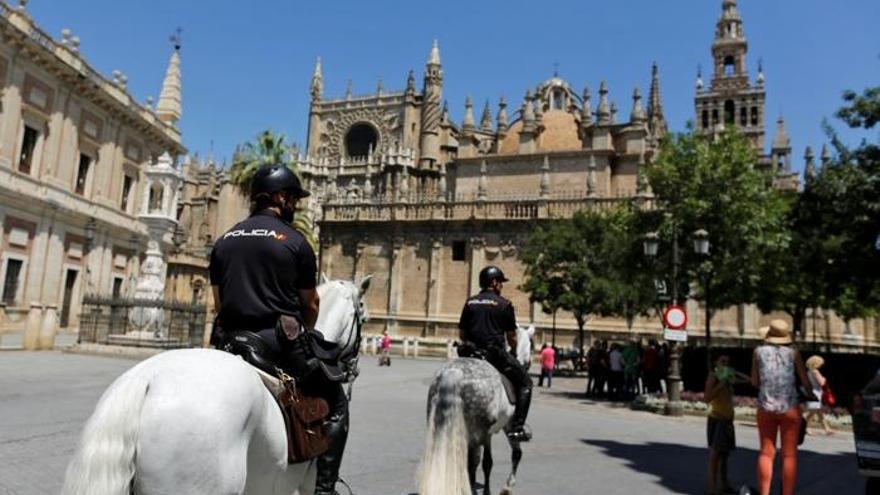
[307, 437]
[828, 397]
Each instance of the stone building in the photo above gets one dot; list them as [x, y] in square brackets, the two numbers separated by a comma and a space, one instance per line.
[88, 181]
[423, 203]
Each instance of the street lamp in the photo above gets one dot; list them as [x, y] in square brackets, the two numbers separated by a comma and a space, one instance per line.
[701, 247]
[651, 244]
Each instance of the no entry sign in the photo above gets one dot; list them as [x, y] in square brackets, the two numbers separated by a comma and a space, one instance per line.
[675, 317]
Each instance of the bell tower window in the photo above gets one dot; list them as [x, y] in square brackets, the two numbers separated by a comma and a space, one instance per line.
[729, 113]
[360, 140]
[743, 117]
[729, 65]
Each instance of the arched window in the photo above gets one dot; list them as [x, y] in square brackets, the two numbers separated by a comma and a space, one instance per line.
[714, 116]
[754, 116]
[729, 65]
[743, 116]
[559, 99]
[705, 119]
[360, 139]
[729, 113]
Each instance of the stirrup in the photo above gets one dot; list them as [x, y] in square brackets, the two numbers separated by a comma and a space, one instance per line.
[519, 435]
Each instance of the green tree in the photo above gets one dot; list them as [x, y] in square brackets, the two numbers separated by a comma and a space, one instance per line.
[269, 148]
[711, 183]
[587, 265]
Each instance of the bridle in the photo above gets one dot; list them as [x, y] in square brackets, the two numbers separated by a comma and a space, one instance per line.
[351, 349]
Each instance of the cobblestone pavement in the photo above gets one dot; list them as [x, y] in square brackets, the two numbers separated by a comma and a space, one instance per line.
[579, 447]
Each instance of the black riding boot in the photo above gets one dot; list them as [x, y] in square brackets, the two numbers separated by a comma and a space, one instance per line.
[517, 431]
[337, 430]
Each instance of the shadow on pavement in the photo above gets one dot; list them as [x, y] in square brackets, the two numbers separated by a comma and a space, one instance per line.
[682, 468]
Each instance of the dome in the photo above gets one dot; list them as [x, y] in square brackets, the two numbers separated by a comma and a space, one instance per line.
[560, 134]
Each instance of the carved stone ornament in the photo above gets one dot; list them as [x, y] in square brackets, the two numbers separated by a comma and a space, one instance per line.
[478, 242]
[383, 120]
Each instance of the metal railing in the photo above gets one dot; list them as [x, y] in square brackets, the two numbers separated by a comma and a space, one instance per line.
[107, 320]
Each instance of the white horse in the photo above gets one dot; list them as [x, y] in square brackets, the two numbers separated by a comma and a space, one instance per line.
[467, 404]
[201, 421]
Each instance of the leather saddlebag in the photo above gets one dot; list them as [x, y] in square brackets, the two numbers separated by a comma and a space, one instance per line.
[308, 437]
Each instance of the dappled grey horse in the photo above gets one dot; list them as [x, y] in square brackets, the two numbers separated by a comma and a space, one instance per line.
[468, 402]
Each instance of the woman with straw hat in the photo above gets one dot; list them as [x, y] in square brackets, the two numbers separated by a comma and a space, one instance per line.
[774, 366]
[817, 383]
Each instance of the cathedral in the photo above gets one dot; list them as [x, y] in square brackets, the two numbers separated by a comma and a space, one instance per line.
[423, 203]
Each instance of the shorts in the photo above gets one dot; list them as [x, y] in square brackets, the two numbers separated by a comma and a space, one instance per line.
[720, 435]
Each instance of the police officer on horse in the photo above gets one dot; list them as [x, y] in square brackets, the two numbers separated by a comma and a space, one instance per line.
[263, 271]
[487, 327]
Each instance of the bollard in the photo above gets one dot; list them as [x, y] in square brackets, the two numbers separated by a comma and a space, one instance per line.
[375, 346]
[449, 350]
[48, 327]
[415, 348]
[32, 327]
[405, 347]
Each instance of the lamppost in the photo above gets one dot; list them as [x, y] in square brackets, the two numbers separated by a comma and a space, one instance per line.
[701, 247]
[651, 244]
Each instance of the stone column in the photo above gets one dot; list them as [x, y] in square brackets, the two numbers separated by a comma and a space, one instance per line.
[394, 275]
[32, 327]
[12, 110]
[325, 258]
[49, 327]
[432, 308]
[2, 316]
[478, 259]
[359, 248]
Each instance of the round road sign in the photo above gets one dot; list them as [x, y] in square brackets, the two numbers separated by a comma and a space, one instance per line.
[675, 317]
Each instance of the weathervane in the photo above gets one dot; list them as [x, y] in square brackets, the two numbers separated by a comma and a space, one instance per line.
[176, 38]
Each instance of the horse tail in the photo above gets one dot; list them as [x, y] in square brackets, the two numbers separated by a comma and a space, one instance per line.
[104, 462]
[444, 465]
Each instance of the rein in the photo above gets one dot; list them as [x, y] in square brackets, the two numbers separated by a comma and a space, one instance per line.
[350, 356]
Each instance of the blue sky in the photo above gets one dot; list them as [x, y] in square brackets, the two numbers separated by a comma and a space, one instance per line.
[247, 64]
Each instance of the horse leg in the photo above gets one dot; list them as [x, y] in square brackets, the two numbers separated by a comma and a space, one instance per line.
[515, 457]
[487, 465]
[473, 462]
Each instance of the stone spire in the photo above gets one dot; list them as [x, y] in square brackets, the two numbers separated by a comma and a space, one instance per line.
[502, 116]
[380, 86]
[545, 178]
[656, 119]
[587, 109]
[434, 57]
[441, 183]
[761, 78]
[613, 113]
[781, 151]
[317, 87]
[468, 124]
[486, 119]
[809, 166]
[781, 140]
[603, 114]
[348, 91]
[169, 108]
[528, 113]
[699, 82]
[410, 83]
[482, 187]
[445, 112]
[432, 115]
[591, 177]
[539, 111]
[368, 184]
[637, 116]
[825, 157]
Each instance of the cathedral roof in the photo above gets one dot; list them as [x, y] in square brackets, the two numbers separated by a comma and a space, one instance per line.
[560, 134]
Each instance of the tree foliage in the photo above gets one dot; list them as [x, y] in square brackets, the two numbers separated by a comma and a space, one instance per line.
[712, 183]
[267, 149]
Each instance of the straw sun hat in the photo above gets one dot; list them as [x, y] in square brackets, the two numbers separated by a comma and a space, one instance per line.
[777, 333]
[815, 362]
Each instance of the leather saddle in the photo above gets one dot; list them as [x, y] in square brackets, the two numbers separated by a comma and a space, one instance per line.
[304, 417]
[309, 350]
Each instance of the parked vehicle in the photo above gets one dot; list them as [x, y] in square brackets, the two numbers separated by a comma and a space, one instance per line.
[866, 432]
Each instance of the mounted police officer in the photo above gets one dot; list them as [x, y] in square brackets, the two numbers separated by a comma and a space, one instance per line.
[488, 324]
[262, 270]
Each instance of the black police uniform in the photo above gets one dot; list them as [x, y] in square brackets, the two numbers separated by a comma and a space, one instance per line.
[259, 266]
[485, 321]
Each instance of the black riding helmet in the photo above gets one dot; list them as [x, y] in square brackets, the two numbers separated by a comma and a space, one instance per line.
[490, 273]
[270, 179]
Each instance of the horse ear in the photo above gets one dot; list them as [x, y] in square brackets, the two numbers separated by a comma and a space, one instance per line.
[364, 283]
[324, 278]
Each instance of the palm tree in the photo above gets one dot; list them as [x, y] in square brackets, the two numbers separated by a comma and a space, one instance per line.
[269, 148]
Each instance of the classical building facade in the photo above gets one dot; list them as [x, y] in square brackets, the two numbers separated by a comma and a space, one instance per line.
[88, 181]
[423, 203]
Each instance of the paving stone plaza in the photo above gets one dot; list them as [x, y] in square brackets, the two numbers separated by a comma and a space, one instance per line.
[580, 447]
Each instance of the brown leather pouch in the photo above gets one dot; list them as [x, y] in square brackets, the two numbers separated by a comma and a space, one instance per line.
[308, 438]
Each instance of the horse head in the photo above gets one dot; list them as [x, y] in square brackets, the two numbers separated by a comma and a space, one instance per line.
[343, 309]
[524, 344]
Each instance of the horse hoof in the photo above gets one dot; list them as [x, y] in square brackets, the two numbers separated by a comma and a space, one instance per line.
[506, 491]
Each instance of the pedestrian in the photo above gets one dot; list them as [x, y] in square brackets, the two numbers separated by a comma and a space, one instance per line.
[548, 361]
[776, 367]
[615, 365]
[385, 349]
[720, 432]
[817, 383]
[651, 368]
[631, 360]
[592, 367]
